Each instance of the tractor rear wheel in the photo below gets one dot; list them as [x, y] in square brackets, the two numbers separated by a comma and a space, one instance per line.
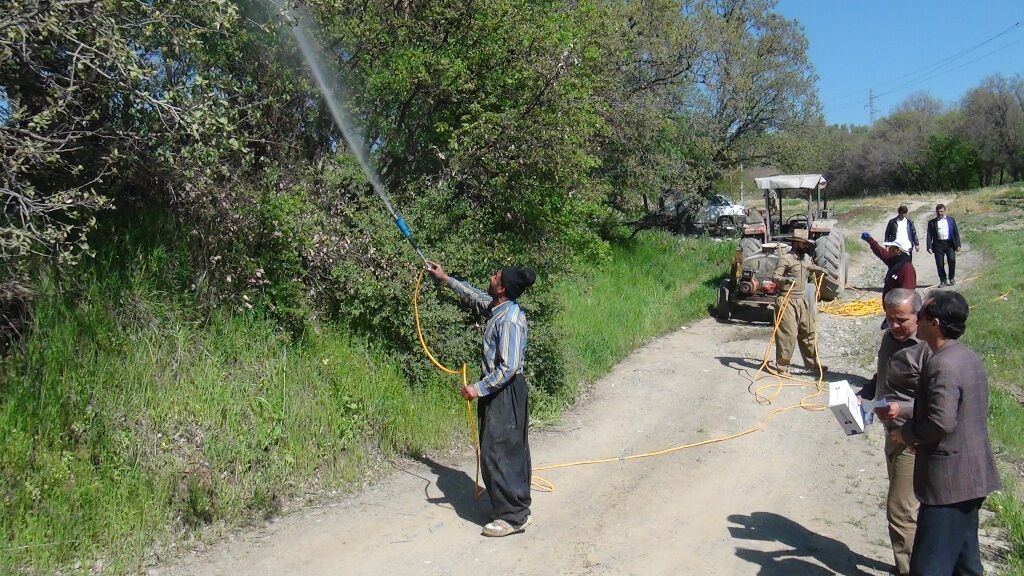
[830, 254]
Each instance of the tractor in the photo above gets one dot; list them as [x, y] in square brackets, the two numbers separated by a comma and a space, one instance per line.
[768, 231]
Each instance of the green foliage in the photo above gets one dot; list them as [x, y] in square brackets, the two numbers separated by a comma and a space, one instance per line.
[131, 419]
[922, 145]
[949, 164]
[700, 87]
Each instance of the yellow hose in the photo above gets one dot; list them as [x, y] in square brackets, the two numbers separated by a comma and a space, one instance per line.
[470, 420]
[542, 485]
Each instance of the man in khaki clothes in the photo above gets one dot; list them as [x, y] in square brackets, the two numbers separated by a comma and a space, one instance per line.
[796, 321]
[901, 357]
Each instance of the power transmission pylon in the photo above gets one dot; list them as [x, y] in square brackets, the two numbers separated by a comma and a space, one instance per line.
[871, 105]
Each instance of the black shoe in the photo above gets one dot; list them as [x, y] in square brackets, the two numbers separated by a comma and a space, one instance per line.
[952, 282]
[943, 284]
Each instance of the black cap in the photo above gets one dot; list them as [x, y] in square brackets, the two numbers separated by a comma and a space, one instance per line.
[516, 280]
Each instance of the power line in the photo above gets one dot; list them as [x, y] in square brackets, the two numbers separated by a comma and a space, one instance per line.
[930, 67]
[957, 67]
[931, 77]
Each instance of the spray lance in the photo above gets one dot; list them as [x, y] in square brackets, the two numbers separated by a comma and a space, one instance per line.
[334, 95]
[399, 221]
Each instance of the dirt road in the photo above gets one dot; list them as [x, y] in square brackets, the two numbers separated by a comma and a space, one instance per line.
[797, 498]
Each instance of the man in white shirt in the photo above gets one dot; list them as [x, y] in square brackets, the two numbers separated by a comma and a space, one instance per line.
[901, 229]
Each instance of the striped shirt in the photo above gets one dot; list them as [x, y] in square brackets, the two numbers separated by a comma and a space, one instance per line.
[504, 337]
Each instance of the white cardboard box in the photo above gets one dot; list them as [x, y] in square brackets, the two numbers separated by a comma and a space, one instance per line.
[843, 403]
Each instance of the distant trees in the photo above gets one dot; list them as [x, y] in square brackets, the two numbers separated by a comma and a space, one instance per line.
[923, 145]
[993, 124]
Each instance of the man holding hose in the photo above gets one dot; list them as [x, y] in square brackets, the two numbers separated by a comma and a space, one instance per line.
[796, 322]
[502, 408]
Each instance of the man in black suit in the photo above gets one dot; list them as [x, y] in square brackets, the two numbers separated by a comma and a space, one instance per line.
[943, 240]
[954, 469]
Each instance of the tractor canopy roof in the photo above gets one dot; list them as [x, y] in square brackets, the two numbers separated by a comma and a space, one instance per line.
[791, 182]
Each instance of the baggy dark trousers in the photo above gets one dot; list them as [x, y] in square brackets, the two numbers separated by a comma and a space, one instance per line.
[944, 250]
[505, 450]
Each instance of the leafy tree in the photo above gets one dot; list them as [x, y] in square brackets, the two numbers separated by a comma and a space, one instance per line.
[698, 87]
[949, 164]
[993, 122]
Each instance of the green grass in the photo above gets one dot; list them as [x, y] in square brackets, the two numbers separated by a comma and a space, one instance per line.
[653, 284]
[995, 332]
[997, 295]
[854, 244]
[129, 421]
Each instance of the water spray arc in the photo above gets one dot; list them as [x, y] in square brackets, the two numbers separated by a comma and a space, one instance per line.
[334, 96]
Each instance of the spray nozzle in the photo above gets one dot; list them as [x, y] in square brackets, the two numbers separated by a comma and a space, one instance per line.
[404, 229]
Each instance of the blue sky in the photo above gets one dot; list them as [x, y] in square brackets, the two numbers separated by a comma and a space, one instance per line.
[886, 45]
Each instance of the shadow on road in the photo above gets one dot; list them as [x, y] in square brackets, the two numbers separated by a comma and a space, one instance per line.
[748, 367]
[456, 489]
[831, 556]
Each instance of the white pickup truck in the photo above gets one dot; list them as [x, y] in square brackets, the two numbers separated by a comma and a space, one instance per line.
[719, 212]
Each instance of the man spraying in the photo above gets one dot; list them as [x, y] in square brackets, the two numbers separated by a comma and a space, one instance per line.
[502, 408]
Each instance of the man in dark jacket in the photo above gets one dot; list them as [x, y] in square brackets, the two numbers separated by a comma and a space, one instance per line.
[943, 240]
[954, 470]
[901, 229]
[896, 256]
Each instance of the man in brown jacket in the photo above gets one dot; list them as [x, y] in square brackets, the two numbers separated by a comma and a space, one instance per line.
[954, 469]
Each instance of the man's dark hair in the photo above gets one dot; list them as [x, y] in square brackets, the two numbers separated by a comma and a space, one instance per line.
[950, 309]
[940, 206]
[902, 210]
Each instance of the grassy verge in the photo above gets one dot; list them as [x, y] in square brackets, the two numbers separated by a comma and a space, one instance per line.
[992, 220]
[130, 421]
[653, 283]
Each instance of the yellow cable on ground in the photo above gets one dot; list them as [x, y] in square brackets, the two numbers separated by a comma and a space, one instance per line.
[864, 305]
[854, 308]
[542, 485]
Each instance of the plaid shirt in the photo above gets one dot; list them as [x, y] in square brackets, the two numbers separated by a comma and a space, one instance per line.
[504, 337]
